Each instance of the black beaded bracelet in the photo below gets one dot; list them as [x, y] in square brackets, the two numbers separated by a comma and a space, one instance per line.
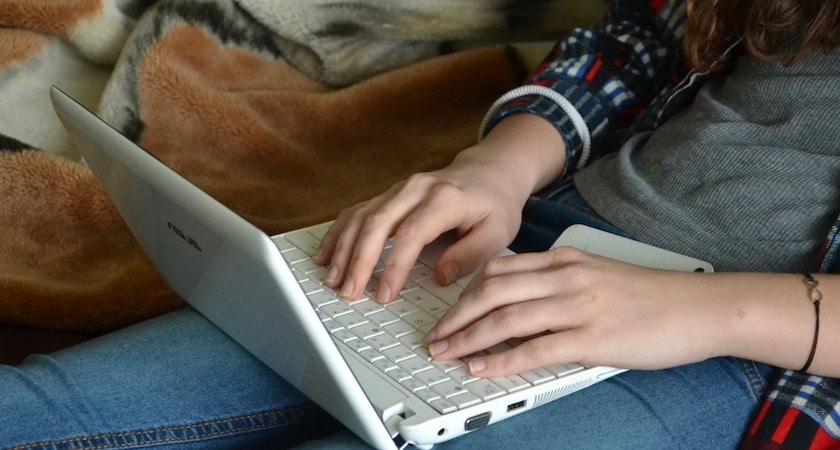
[815, 295]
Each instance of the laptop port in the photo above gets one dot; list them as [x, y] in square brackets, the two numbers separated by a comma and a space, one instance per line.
[515, 406]
[476, 422]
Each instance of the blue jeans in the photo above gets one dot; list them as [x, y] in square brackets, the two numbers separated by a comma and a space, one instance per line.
[556, 208]
[176, 381]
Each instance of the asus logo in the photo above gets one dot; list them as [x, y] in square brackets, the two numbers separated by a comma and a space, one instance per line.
[183, 236]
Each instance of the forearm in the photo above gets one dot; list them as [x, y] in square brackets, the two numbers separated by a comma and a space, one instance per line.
[770, 318]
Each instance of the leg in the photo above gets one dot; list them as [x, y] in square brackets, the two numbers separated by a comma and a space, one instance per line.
[178, 381]
[174, 380]
[699, 406]
[545, 217]
[704, 405]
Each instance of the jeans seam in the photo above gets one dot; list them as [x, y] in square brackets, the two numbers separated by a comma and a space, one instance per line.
[199, 435]
[758, 385]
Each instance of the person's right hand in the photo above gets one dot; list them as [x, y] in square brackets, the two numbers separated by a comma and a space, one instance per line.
[480, 196]
[415, 212]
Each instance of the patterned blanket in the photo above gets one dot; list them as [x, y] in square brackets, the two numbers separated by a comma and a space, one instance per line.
[285, 110]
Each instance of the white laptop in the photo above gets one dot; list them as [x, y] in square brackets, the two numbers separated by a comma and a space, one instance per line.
[363, 363]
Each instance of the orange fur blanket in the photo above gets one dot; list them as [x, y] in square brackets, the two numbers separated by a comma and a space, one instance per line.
[230, 99]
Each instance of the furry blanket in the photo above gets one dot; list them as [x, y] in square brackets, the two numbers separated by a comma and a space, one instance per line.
[285, 110]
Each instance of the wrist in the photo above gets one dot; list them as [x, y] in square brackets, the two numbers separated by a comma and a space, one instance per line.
[523, 148]
[770, 319]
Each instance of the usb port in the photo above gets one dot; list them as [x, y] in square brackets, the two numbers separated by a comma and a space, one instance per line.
[515, 406]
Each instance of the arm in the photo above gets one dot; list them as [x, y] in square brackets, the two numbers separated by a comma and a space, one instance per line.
[482, 193]
[597, 80]
[598, 311]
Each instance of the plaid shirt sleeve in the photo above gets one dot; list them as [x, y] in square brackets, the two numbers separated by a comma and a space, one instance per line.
[598, 79]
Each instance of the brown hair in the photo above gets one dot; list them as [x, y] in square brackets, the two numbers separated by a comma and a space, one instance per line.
[773, 30]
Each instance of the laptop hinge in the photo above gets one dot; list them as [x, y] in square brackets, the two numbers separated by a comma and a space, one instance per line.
[392, 426]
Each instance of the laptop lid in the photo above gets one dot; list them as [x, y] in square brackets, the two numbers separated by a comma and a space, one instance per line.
[194, 241]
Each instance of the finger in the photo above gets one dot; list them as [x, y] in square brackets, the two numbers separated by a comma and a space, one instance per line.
[487, 293]
[513, 321]
[506, 280]
[544, 351]
[330, 252]
[440, 212]
[327, 245]
[361, 239]
[536, 261]
[474, 248]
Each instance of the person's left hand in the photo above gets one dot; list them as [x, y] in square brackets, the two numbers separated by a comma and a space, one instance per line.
[580, 308]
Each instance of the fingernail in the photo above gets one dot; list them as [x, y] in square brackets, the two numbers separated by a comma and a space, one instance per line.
[332, 276]
[477, 365]
[347, 288]
[318, 254]
[438, 347]
[431, 336]
[383, 294]
[450, 272]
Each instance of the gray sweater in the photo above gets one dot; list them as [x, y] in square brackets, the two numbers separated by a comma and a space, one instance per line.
[747, 177]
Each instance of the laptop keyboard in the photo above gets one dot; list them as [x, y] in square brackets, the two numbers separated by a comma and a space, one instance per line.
[391, 336]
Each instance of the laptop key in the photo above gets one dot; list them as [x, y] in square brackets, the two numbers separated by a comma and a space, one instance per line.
[419, 319]
[367, 307]
[413, 340]
[432, 377]
[416, 296]
[448, 388]
[449, 294]
[564, 369]
[426, 394]
[357, 344]
[398, 329]
[537, 376]
[309, 287]
[512, 383]
[401, 308]
[461, 376]
[398, 353]
[344, 335]
[367, 330]
[382, 318]
[398, 374]
[331, 325]
[384, 364]
[304, 241]
[421, 272]
[414, 365]
[336, 309]
[382, 342]
[282, 243]
[412, 384]
[443, 406]
[464, 400]
[433, 306]
[351, 319]
[371, 354]
[485, 389]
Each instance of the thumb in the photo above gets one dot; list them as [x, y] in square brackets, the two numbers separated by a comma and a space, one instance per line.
[469, 252]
